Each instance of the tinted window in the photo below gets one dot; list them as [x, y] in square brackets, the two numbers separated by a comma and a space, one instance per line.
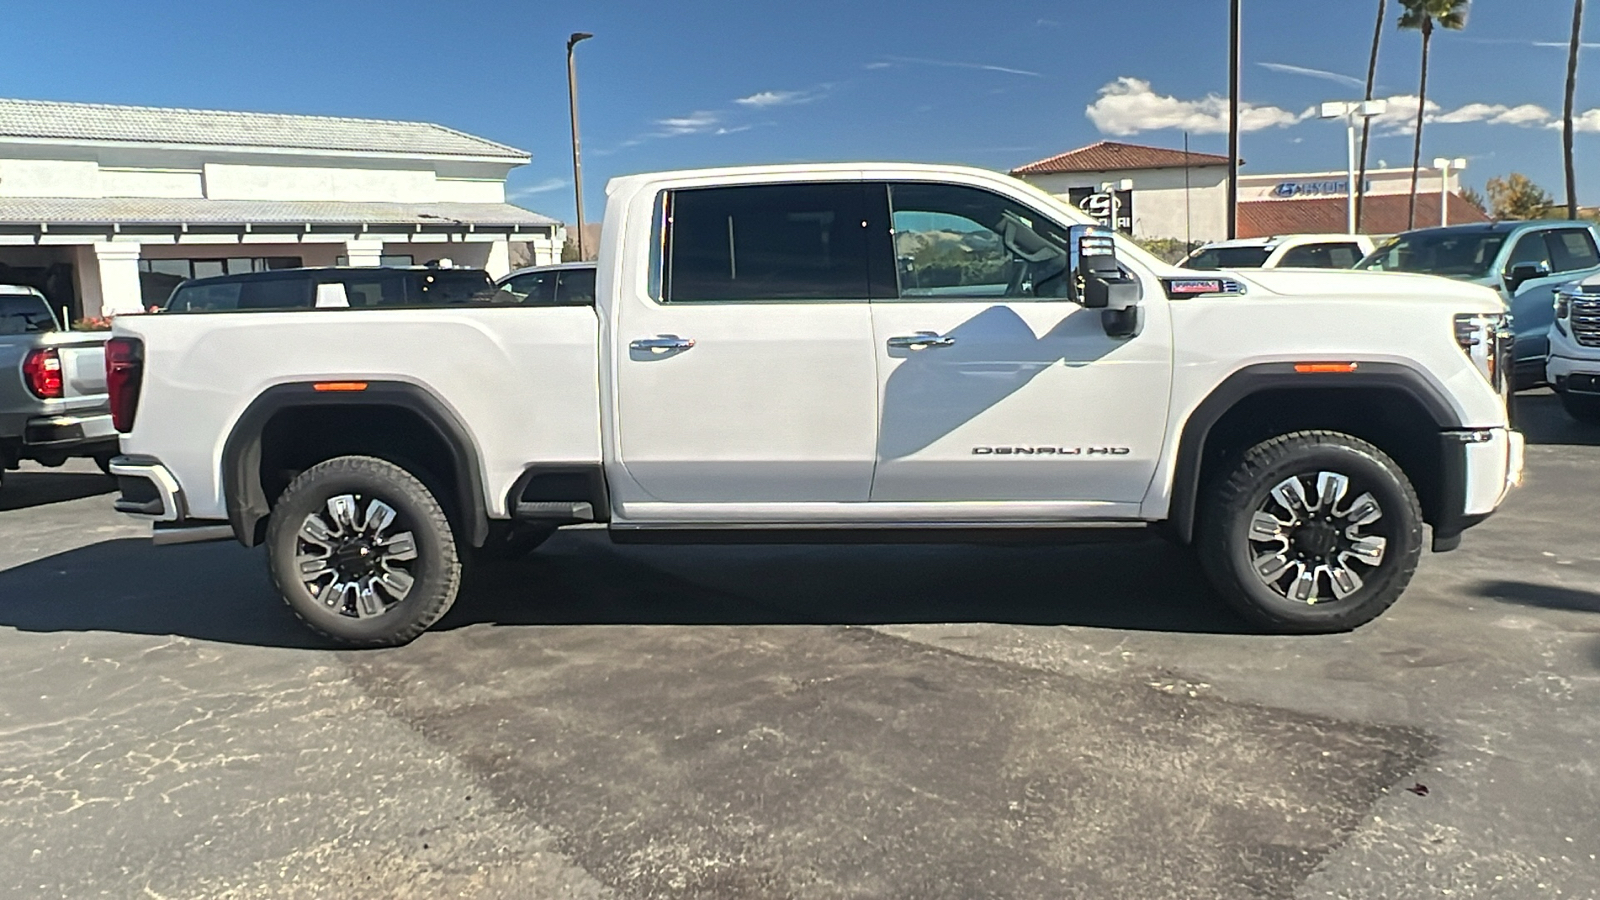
[442, 286]
[24, 315]
[377, 289]
[1531, 249]
[575, 287]
[208, 297]
[956, 241]
[536, 288]
[1571, 249]
[1228, 258]
[276, 293]
[1321, 256]
[1468, 254]
[767, 242]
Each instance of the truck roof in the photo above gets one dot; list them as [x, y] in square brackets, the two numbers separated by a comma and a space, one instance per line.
[876, 169]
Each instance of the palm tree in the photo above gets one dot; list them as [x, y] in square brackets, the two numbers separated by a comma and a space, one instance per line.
[1566, 113]
[1366, 121]
[1423, 15]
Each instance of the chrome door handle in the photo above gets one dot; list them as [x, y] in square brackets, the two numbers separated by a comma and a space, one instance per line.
[921, 340]
[663, 343]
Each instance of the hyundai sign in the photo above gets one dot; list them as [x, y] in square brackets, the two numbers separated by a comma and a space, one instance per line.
[1332, 188]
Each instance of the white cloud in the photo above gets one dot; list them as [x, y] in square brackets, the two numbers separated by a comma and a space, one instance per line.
[878, 65]
[1527, 114]
[1128, 106]
[1584, 121]
[697, 122]
[1325, 75]
[952, 64]
[764, 99]
[541, 187]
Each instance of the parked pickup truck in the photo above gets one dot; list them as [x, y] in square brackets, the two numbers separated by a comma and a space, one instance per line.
[842, 353]
[53, 402]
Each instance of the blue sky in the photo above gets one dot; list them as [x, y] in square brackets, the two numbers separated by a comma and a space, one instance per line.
[687, 83]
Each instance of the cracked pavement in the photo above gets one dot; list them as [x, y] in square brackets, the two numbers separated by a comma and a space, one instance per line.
[801, 722]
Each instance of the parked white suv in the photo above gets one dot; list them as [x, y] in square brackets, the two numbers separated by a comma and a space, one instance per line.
[862, 352]
[1574, 363]
[1287, 251]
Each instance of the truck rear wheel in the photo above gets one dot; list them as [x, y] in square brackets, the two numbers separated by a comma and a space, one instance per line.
[362, 552]
[1311, 532]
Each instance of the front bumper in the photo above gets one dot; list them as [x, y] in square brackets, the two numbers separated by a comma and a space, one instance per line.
[1479, 468]
[1577, 375]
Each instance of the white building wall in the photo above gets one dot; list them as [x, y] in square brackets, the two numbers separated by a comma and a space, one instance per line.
[1162, 206]
[140, 182]
[469, 190]
[49, 178]
[225, 181]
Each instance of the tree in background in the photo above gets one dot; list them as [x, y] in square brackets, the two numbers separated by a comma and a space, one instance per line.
[1366, 122]
[1566, 112]
[1475, 200]
[1517, 197]
[1423, 16]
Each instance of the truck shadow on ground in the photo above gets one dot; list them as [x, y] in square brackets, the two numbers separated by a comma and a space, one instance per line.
[1542, 596]
[1541, 420]
[220, 592]
[25, 490]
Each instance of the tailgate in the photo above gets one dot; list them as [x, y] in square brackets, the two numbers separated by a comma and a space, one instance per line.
[83, 363]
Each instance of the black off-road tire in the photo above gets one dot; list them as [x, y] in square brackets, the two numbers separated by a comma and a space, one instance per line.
[437, 568]
[1232, 499]
[1584, 409]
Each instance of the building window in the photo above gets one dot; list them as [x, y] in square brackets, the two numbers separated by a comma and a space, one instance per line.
[158, 277]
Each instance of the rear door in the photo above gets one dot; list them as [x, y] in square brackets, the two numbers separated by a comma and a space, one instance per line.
[744, 381]
[996, 387]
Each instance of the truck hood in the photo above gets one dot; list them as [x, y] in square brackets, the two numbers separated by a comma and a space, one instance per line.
[1362, 285]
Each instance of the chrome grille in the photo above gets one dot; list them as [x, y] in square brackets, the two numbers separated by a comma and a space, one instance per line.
[1585, 320]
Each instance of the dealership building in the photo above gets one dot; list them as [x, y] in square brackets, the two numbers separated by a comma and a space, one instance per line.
[107, 208]
[1177, 194]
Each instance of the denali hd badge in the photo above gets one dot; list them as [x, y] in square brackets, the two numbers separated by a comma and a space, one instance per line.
[1050, 451]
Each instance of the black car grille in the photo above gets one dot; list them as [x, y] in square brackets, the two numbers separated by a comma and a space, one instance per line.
[1585, 320]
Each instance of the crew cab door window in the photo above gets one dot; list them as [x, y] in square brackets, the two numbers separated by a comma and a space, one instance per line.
[534, 288]
[750, 378]
[1321, 256]
[1531, 248]
[1572, 249]
[575, 287]
[1017, 395]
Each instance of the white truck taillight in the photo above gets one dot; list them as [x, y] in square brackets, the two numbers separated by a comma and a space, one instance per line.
[124, 374]
[41, 369]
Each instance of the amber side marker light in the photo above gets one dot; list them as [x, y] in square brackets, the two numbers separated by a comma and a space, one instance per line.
[325, 386]
[1323, 368]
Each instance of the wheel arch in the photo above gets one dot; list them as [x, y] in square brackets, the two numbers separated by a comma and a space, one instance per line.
[450, 461]
[1390, 405]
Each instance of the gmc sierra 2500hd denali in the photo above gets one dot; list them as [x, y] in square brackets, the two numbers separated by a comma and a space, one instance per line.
[873, 351]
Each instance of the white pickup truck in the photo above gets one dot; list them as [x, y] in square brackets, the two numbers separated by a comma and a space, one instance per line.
[840, 352]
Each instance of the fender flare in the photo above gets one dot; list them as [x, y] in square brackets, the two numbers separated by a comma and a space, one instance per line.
[1262, 377]
[246, 499]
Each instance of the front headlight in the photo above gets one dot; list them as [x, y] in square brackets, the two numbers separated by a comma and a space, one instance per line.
[1563, 309]
[1486, 338]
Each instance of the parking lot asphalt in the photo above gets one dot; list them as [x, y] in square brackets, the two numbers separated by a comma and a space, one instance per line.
[807, 722]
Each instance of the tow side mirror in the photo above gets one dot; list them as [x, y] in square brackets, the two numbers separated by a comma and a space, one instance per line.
[1522, 273]
[1099, 283]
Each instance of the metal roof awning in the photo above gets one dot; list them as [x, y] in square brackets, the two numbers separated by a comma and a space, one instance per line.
[117, 214]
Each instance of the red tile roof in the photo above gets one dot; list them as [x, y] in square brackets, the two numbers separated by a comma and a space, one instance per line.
[1380, 214]
[1109, 156]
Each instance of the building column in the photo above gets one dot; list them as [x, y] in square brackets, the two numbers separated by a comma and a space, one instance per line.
[499, 263]
[364, 253]
[118, 276]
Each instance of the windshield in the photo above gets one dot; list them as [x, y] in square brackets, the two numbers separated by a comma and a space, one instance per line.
[24, 314]
[1453, 254]
[1228, 258]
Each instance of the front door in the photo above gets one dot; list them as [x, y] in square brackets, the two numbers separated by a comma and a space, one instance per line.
[745, 378]
[995, 387]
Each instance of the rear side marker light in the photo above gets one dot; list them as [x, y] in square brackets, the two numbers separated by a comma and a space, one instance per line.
[339, 386]
[1324, 368]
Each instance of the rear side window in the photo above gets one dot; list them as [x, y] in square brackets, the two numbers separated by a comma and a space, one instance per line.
[439, 287]
[575, 287]
[766, 242]
[379, 289]
[215, 297]
[25, 314]
[1572, 249]
[1228, 258]
[1322, 256]
[534, 288]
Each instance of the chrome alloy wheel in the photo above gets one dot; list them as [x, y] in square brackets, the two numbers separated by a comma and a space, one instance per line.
[1309, 545]
[350, 561]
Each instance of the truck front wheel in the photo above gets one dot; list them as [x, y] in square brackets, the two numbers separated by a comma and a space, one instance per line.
[1311, 532]
[362, 552]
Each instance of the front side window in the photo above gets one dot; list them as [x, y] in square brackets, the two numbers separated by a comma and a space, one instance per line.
[766, 242]
[533, 288]
[1531, 249]
[1572, 249]
[1321, 256]
[957, 241]
[1449, 253]
[448, 286]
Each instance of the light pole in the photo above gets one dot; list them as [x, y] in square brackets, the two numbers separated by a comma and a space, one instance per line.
[1350, 111]
[1444, 166]
[1110, 189]
[572, 102]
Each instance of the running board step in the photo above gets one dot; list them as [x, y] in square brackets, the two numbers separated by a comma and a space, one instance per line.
[554, 511]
